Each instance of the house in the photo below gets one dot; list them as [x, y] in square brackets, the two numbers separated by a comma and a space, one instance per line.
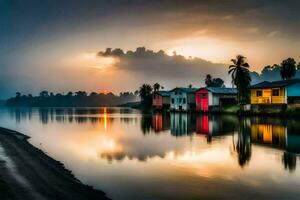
[161, 100]
[276, 93]
[182, 99]
[212, 98]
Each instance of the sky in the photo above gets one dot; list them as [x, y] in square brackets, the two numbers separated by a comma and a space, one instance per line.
[56, 45]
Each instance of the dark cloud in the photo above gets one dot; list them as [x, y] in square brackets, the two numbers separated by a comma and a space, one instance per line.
[158, 66]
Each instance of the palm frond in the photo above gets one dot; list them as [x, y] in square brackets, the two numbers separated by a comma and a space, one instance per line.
[246, 65]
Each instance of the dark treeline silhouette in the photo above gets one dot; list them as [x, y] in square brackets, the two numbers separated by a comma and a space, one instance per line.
[213, 82]
[77, 99]
[145, 93]
[287, 69]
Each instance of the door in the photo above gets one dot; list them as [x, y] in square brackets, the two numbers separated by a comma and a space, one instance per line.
[203, 102]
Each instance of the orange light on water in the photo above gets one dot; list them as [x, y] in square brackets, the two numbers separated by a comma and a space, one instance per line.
[105, 118]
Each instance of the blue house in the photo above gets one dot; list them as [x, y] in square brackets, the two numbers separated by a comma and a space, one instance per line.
[182, 99]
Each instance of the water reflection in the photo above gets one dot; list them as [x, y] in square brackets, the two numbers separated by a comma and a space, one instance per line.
[223, 150]
[268, 132]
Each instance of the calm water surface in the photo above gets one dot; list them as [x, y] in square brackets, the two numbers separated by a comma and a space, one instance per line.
[131, 156]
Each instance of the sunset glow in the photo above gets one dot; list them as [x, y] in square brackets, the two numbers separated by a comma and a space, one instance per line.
[211, 49]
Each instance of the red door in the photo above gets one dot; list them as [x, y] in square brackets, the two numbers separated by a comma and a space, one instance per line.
[202, 100]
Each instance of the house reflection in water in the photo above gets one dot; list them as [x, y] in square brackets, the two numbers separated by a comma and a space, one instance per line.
[278, 135]
[268, 134]
[215, 125]
[182, 124]
[160, 121]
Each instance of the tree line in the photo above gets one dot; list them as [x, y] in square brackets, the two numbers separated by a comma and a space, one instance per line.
[77, 99]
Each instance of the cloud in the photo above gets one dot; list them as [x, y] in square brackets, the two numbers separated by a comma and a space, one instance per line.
[158, 66]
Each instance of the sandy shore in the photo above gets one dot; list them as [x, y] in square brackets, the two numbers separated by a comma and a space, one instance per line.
[28, 173]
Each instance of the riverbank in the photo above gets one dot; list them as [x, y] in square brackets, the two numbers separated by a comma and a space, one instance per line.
[27, 173]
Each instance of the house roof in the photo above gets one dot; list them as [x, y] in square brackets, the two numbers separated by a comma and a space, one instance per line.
[268, 84]
[163, 93]
[222, 90]
[187, 90]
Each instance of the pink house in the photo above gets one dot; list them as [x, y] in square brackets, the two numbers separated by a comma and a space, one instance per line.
[161, 100]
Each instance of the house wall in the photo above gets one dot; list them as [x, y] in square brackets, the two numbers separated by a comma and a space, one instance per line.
[176, 100]
[293, 90]
[215, 100]
[157, 101]
[267, 97]
[166, 100]
[191, 99]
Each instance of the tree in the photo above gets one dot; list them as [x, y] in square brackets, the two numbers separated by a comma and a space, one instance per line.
[288, 68]
[218, 82]
[69, 94]
[156, 87]
[18, 94]
[240, 75]
[208, 80]
[81, 94]
[298, 66]
[190, 86]
[145, 93]
[44, 93]
[213, 82]
[136, 93]
[93, 94]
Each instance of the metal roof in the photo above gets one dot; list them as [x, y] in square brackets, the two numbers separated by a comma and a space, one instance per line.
[222, 90]
[187, 90]
[268, 84]
[163, 93]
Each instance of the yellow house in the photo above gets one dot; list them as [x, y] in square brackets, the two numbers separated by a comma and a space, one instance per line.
[277, 92]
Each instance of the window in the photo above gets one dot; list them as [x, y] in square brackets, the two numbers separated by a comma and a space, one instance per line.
[172, 100]
[184, 101]
[258, 93]
[180, 93]
[179, 100]
[275, 92]
[176, 93]
[203, 96]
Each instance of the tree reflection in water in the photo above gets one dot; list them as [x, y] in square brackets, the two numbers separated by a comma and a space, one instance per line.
[243, 144]
[289, 161]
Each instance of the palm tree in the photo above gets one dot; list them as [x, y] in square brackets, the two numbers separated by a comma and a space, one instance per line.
[145, 93]
[240, 75]
[156, 87]
[288, 68]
